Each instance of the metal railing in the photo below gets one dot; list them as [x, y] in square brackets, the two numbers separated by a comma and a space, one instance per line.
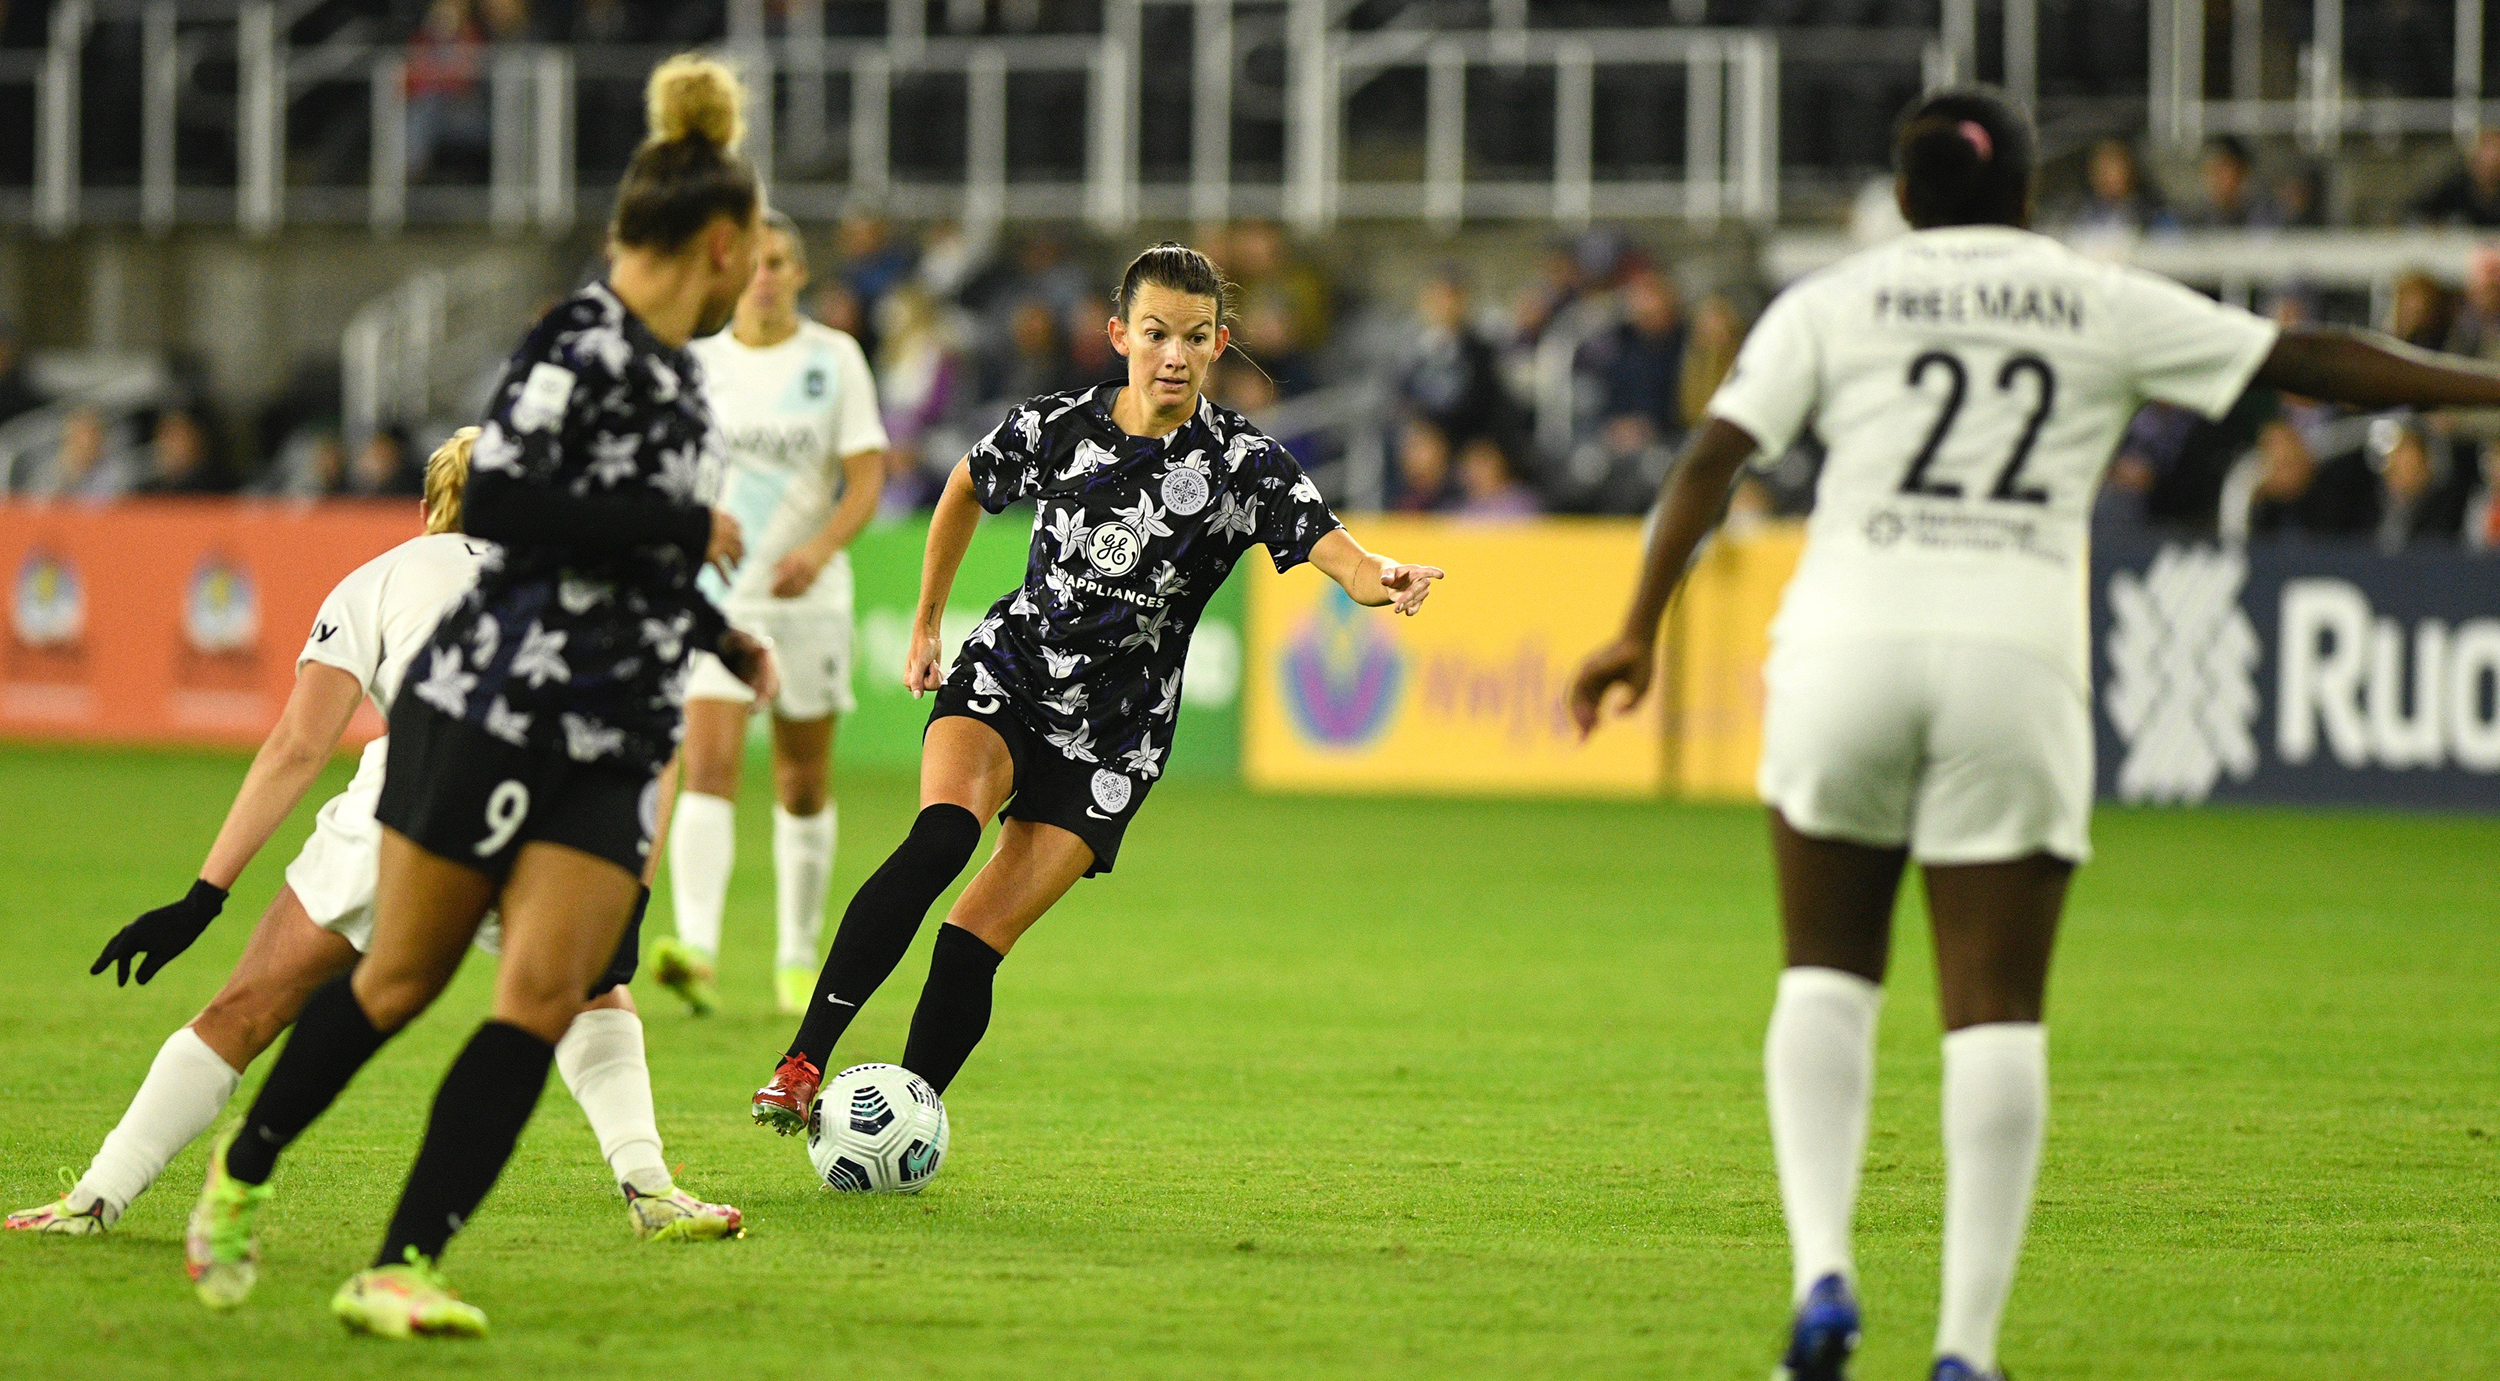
[2323, 108]
[532, 93]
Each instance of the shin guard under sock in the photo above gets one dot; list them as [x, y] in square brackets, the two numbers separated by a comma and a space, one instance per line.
[479, 1112]
[881, 920]
[954, 1008]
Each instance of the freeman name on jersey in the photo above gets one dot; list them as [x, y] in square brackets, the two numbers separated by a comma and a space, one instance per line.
[2002, 304]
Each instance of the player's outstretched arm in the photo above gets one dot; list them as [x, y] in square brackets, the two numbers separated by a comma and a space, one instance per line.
[950, 534]
[308, 730]
[2370, 370]
[1371, 579]
[1691, 502]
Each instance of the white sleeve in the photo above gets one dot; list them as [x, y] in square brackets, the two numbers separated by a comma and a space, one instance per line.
[1776, 381]
[860, 427]
[347, 633]
[2182, 347]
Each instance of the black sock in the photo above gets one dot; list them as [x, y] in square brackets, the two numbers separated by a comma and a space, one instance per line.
[479, 1112]
[333, 1039]
[882, 918]
[954, 1008]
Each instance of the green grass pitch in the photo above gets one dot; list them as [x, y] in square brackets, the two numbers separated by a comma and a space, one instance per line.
[1356, 1088]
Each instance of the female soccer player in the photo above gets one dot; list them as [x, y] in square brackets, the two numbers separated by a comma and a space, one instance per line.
[795, 403]
[524, 759]
[1929, 693]
[362, 640]
[1061, 704]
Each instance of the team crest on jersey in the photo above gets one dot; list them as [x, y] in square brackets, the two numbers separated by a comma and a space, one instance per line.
[1184, 491]
[1111, 790]
[1113, 548]
[815, 383]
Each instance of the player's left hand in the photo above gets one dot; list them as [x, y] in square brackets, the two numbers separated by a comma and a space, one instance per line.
[162, 934]
[795, 574]
[1624, 662]
[1408, 585]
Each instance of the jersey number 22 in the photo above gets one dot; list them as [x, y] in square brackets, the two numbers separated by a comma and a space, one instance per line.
[2009, 486]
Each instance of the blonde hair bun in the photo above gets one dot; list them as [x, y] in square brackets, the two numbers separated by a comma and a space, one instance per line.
[692, 95]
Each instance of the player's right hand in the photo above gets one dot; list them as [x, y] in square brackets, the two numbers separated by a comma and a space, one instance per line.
[1623, 662]
[729, 544]
[162, 934]
[921, 671]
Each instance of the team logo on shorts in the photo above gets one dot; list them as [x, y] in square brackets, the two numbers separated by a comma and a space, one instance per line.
[1184, 491]
[1113, 548]
[1111, 790]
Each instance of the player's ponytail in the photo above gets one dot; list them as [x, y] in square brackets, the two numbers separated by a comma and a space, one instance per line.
[688, 170]
[1965, 157]
[1176, 266]
[446, 480]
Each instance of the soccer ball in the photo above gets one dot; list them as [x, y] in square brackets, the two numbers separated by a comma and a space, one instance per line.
[876, 1129]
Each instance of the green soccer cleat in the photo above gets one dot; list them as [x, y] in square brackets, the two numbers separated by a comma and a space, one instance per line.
[93, 1218]
[217, 1247]
[682, 969]
[409, 1301]
[677, 1216]
[793, 989]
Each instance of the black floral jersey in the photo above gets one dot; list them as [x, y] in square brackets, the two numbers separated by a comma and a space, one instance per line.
[1131, 536]
[589, 472]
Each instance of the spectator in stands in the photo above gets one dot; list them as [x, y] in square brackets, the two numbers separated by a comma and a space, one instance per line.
[447, 125]
[92, 462]
[2471, 194]
[1285, 308]
[1423, 468]
[1718, 329]
[1036, 360]
[2119, 202]
[311, 464]
[1451, 375]
[17, 391]
[2421, 312]
[1091, 359]
[384, 467]
[2300, 197]
[1639, 365]
[838, 307]
[875, 261]
[179, 458]
[2231, 203]
[919, 368]
[2421, 496]
[1488, 488]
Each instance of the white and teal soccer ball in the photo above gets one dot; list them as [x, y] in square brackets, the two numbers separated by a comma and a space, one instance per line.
[876, 1129]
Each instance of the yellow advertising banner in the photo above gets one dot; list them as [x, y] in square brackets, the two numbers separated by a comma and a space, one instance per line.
[1467, 696]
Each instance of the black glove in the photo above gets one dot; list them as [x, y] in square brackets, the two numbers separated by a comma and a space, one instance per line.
[163, 933]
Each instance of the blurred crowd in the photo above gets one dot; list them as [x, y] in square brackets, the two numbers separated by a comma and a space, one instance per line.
[1565, 391]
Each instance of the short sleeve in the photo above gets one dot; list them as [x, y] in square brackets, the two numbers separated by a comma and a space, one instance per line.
[860, 427]
[539, 402]
[1772, 389]
[1292, 517]
[1007, 464]
[2182, 347]
[347, 632]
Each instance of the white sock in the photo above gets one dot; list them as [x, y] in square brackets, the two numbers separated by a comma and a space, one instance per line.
[602, 1063]
[802, 866]
[702, 848]
[186, 1088]
[1818, 1064]
[1996, 1107]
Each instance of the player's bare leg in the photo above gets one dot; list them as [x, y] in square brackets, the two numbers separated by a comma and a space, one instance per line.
[805, 829]
[198, 1067]
[966, 774]
[702, 849]
[1034, 866]
[1995, 925]
[1836, 907]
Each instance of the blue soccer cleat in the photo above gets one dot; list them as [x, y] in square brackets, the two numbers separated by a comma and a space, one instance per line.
[1825, 1333]
[1955, 1369]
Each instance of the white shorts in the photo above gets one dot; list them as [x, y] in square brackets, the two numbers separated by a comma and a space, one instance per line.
[333, 874]
[813, 647]
[1965, 751]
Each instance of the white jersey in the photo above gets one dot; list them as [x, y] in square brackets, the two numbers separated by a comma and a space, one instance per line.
[1969, 384]
[372, 625]
[787, 415]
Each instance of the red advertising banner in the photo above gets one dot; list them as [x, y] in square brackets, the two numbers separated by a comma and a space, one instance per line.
[171, 620]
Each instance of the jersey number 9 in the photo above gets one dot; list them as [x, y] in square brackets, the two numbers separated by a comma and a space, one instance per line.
[2009, 486]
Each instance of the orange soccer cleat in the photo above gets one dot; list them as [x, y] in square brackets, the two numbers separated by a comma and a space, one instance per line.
[782, 1104]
